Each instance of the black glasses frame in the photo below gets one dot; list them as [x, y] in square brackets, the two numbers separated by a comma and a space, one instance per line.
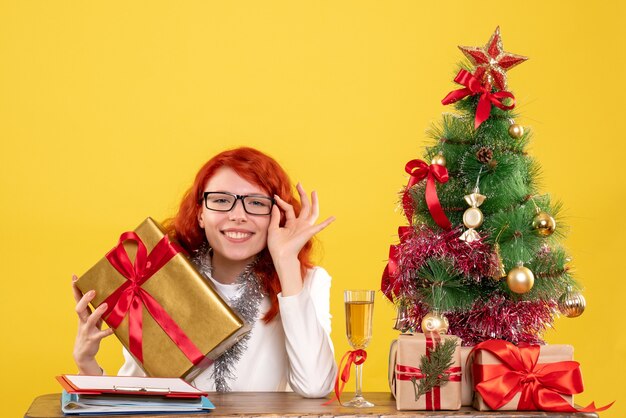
[243, 202]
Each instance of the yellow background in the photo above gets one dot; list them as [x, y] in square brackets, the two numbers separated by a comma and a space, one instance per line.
[107, 109]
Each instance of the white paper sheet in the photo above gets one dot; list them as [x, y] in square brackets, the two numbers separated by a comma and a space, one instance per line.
[132, 384]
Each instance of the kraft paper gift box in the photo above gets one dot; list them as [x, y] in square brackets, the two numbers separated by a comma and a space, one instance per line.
[391, 369]
[194, 324]
[467, 390]
[410, 348]
[548, 354]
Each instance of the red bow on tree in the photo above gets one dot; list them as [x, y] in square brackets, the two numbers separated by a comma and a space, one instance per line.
[419, 170]
[473, 87]
[390, 285]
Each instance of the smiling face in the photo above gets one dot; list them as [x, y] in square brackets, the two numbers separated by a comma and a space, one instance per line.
[235, 236]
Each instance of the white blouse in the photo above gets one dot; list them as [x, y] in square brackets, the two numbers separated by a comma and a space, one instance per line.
[293, 352]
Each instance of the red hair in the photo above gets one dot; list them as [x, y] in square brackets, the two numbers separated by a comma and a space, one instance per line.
[259, 169]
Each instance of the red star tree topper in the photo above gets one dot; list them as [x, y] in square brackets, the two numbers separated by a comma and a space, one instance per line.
[492, 61]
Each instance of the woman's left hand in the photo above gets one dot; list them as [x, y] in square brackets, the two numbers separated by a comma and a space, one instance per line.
[286, 242]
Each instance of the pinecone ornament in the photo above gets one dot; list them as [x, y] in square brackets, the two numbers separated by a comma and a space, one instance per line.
[484, 155]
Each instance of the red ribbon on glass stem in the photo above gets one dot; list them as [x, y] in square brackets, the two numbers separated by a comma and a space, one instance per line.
[540, 385]
[419, 170]
[473, 86]
[357, 357]
[130, 298]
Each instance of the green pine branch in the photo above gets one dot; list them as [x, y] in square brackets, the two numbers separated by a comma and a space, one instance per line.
[443, 288]
[434, 366]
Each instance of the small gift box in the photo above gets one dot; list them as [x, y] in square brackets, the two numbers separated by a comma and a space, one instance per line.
[533, 377]
[467, 390]
[427, 372]
[162, 310]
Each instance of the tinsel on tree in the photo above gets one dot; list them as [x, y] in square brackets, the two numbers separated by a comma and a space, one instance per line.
[481, 257]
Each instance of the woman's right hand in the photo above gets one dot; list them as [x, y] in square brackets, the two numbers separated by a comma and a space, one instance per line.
[90, 331]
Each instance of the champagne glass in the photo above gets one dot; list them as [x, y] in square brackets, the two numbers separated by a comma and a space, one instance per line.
[359, 312]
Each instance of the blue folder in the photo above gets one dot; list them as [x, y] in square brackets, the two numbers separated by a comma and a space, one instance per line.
[75, 404]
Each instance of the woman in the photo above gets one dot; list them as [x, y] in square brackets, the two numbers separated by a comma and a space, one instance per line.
[251, 238]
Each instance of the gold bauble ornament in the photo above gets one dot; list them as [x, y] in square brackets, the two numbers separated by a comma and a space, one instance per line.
[439, 159]
[543, 224]
[435, 322]
[520, 279]
[516, 131]
[572, 303]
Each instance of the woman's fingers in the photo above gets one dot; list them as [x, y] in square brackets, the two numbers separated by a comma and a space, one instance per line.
[103, 334]
[305, 221]
[82, 307]
[310, 231]
[304, 200]
[286, 207]
[309, 207]
[317, 228]
[275, 218]
[94, 318]
[315, 206]
[75, 290]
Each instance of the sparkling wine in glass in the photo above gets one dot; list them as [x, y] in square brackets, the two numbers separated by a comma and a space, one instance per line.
[359, 315]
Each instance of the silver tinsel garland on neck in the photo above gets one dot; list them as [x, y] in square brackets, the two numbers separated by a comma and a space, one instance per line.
[245, 304]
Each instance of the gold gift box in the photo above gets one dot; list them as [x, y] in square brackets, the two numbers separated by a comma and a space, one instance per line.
[408, 351]
[185, 295]
[551, 353]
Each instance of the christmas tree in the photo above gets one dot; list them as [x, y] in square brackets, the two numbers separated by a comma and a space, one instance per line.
[481, 257]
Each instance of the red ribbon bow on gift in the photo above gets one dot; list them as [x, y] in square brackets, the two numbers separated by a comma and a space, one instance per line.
[419, 170]
[130, 297]
[540, 385]
[357, 357]
[472, 87]
[433, 397]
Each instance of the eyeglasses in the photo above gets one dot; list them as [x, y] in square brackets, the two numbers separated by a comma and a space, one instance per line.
[225, 202]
